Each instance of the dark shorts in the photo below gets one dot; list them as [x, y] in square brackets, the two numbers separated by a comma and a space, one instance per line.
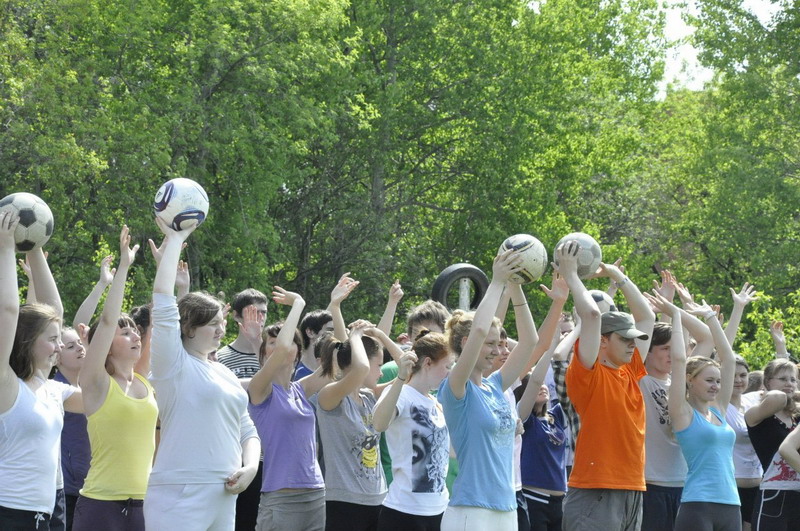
[660, 507]
[776, 510]
[393, 520]
[544, 511]
[122, 515]
[19, 520]
[747, 496]
[58, 520]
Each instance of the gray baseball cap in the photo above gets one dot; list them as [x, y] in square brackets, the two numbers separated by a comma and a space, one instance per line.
[621, 323]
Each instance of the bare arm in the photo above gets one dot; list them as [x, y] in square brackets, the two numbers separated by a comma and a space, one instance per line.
[547, 333]
[395, 294]
[31, 295]
[386, 408]
[502, 306]
[182, 279]
[285, 350]
[740, 300]
[46, 289]
[168, 256]
[771, 403]
[528, 339]
[9, 309]
[528, 400]
[340, 292]
[93, 378]
[778, 339]
[640, 308]
[789, 448]
[332, 394]
[89, 305]
[584, 304]
[699, 331]
[505, 264]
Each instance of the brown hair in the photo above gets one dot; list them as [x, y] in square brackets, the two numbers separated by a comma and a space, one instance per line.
[272, 331]
[429, 345]
[695, 364]
[33, 320]
[428, 311]
[197, 309]
[124, 321]
[777, 366]
[459, 326]
[329, 347]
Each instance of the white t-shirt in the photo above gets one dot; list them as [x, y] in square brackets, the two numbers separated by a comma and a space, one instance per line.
[664, 461]
[419, 444]
[745, 460]
[202, 406]
[30, 447]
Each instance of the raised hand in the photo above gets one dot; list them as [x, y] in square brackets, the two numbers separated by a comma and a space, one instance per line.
[667, 287]
[106, 271]
[395, 293]
[776, 331]
[281, 296]
[182, 278]
[360, 327]
[406, 364]
[343, 288]
[704, 310]
[683, 294]
[560, 289]
[252, 325]
[745, 296]
[661, 304]
[8, 224]
[567, 254]
[126, 253]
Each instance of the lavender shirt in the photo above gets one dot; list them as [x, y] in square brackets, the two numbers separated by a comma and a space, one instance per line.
[76, 453]
[286, 424]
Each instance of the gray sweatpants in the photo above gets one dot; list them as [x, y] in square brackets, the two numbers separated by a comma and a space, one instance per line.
[602, 510]
[297, 510]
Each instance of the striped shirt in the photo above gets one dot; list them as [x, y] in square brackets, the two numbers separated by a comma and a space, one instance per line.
[242, 364]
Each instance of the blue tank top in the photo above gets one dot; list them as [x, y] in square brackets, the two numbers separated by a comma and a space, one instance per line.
[708, 450]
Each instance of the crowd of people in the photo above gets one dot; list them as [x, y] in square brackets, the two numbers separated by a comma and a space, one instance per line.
[596, 419]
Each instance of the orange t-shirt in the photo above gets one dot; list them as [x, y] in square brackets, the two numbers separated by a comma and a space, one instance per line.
[610, 449]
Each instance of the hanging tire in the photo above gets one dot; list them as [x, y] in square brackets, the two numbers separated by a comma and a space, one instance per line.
[451, 275]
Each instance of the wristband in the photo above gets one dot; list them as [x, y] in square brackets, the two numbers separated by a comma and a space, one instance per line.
[521, 304]
[709, 315]
[620, 284]
[400, 379]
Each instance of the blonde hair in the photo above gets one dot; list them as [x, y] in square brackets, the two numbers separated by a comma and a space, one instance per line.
[459, 326]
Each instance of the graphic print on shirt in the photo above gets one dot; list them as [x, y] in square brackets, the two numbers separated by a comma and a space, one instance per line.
[505, 423]
[364, 448]
[429, 455]
[780, 476]
[660, 399]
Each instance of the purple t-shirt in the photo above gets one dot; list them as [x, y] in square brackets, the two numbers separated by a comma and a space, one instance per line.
[286, 424]
[76, 452]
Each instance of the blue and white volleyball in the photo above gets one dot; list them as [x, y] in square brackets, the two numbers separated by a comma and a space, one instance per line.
[181, 203]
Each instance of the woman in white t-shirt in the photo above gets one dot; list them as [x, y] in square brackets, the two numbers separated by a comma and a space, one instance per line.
[31, 406]
[417, 435]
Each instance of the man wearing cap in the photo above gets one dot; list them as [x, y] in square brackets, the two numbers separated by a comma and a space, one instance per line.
[607, 480]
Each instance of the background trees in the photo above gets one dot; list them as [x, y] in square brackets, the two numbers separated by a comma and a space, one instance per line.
[391, 139]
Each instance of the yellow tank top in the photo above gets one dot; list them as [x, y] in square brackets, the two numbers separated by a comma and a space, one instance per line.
[122, 434]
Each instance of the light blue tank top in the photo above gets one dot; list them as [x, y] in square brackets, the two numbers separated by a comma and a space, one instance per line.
[708, 450]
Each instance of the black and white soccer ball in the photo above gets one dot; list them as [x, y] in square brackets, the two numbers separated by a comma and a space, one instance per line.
[604, 301]
[589, 254]
[35, 220]
[534, 257]
[181, 203]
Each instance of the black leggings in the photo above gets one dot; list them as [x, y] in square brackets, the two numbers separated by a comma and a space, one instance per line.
[344, 516]
[393, 520]
[707, 516]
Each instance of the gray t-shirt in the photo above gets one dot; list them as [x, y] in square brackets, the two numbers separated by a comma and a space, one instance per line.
[664, 462]
[349, 451]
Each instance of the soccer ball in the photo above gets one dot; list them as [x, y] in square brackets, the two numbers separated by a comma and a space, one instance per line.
[534, 257]
[589, 254]
[181, 203]
[35, 220]
[604, 301]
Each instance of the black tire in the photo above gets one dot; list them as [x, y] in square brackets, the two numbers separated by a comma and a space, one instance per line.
[451, 275]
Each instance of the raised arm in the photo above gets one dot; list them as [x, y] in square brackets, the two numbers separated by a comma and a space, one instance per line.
[285, 351]
[46, 289]
[89, 305]
[340, 292]
[182, 279]
[332, 394]
[505, 264]
[585, 305]
[745, 296]
[547, 333]
[30, 297]
[167, 257]
[502, 306]
[640, 309]
[727, 360]
[666, 289]
[9, 309]
[535, 381]
[699, 331]
[520, 357]
[386, 408]
[93, 378]
[778, 339]
[395, 294]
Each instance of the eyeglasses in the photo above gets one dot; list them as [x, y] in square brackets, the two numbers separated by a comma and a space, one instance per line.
[785, 379]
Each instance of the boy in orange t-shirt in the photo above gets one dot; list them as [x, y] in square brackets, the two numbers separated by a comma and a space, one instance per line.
[607, 478]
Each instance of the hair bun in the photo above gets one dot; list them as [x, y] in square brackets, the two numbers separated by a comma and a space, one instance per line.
[422, 333]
